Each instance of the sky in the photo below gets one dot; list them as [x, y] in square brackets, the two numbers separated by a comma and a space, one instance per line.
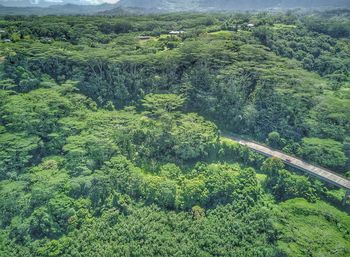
[62, 1]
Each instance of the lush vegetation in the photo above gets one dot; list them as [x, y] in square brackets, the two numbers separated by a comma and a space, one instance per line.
[110, 143]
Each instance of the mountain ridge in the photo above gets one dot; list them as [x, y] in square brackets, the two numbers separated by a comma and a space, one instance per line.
[48, 3]
[74, 7]
[65, 9]
[226, 5]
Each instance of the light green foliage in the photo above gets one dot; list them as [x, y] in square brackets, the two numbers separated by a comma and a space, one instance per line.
[36, 112]
[193, 137]
[189, 136]
[313, 228]
[193, 192]
[331, 116]
[16, 152]
[170, 171]
[162, 103]
[90, 151]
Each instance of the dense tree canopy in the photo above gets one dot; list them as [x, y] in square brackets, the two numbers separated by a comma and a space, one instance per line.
[110, 134]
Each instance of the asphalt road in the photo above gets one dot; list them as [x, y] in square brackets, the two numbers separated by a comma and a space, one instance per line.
[316, 171]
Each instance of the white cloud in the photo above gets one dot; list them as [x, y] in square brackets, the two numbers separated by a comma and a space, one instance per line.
[101, 1]
[82, 1]
[66, 1]
[106, 1]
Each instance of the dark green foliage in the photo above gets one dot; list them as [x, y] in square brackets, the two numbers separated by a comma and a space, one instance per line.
[284, 185]
[272, 165]
[274, 140]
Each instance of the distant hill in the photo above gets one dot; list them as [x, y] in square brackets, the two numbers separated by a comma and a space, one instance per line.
[162, 5]
[127, 11]
[125, 7]
[205, 5]
[270, 4]
[41, 3]
[67, 9]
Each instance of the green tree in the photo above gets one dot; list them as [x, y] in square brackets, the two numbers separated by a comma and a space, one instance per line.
[17, 151]
[284, 185]
[274, 140]
[192, 192]
[193, 137]
[272, 165]
[160, 104]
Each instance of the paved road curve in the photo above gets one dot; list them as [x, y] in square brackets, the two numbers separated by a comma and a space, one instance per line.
[319, 172]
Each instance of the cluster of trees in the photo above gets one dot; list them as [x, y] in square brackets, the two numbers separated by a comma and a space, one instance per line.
[250, 81]
[325, 152]
[44, 121]
[334, 23]
[318, 52]
[284, 185]
[69, 165]
[79, 173]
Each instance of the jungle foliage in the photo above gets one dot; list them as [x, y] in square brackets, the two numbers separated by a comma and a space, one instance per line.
[110, 134]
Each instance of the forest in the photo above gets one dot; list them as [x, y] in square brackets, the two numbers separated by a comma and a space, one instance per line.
[112, 134]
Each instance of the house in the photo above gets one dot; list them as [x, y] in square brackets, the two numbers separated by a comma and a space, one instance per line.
[144, 37]
[46, 39]
[176, 32]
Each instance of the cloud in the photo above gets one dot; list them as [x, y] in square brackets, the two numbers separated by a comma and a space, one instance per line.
[82, 1]
[38, 2]
[102, 1]
[109, 1]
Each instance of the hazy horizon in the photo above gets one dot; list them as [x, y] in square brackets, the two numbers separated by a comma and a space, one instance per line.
[117, 7]
[216, 4]
[55, 2]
